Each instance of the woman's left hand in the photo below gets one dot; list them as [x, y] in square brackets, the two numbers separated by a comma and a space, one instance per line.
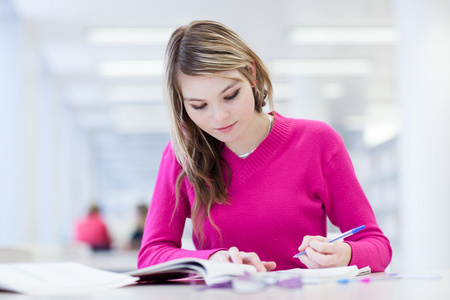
[322, 254]
[233, 255]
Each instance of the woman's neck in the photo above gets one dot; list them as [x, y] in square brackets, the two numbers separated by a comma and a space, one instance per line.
[256, 133]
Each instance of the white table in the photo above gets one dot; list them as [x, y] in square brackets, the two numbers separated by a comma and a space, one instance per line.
[376, 290]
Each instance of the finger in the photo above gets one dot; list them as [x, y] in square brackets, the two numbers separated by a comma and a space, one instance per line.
[221, 256]
[253, 259]
[340, 255]
[308, 262]
[235, 255]
[321, 238]
[305, 242]
[324, 246]
[269, 265]
[308, 239]
[320, 260]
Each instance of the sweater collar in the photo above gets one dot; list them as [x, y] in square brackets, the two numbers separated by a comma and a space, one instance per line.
[242, 168]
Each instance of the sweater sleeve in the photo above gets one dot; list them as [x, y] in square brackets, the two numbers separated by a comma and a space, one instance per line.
[165, 222]
[347, 207]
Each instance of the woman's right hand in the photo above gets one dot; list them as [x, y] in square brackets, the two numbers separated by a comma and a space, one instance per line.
[233, 255]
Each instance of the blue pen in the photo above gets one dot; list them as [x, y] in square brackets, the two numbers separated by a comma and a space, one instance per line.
[344, 235]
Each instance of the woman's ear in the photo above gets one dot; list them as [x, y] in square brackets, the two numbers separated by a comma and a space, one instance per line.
[252, 69]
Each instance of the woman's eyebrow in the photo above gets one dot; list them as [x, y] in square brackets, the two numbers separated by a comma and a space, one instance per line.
[192, 99]
[229, 87]
[222, 92]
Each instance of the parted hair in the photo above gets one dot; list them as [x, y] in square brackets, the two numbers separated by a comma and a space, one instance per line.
[206, 48]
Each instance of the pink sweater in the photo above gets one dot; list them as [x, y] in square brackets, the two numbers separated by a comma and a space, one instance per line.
[300, 174]
[92, 230]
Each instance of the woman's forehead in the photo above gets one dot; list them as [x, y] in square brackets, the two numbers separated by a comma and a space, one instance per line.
[209, 82]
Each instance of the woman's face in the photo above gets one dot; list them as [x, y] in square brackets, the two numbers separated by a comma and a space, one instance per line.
[222, 107]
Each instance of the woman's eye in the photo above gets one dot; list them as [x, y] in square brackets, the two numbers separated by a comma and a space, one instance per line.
[198, 107]
[232, 96]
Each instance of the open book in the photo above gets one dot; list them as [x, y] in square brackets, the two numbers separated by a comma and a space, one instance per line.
[211, 272]
[218, 272]
[69, 277]
[58, 278]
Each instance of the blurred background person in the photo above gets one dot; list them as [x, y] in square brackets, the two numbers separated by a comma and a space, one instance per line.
[93, 231]
[136, 237]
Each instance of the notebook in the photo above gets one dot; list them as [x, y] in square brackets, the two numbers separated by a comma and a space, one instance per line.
[314, 276]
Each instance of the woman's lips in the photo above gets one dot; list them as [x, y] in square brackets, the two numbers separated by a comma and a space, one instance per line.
[226, 128]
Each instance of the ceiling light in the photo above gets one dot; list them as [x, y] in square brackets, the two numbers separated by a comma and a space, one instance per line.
[129, 35]
[130, 68]
[321, 67]
[343, 35]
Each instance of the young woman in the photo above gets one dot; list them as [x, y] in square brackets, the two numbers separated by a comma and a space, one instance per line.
[258, 187]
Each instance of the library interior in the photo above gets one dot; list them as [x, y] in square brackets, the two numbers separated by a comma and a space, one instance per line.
[83, 124]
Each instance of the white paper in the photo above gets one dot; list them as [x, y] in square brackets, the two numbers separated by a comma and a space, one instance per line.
[58, 278]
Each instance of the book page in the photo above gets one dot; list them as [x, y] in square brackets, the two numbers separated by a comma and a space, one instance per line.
[222, 272]
[211, 271]
[57, 278]
[326, 274]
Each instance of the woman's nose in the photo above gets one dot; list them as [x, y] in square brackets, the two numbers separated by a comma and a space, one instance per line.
[221, 115]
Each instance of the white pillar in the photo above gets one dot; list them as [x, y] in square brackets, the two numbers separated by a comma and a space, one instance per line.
[423, 78]
[11, 190]
[28, 118]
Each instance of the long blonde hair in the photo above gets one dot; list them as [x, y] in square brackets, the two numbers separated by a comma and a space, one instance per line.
[206, 48]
